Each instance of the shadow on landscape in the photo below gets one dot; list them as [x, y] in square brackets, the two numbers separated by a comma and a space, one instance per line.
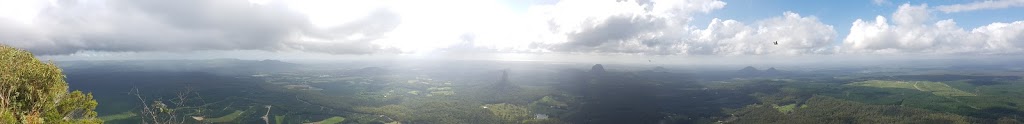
[997, 113]
[652, 96]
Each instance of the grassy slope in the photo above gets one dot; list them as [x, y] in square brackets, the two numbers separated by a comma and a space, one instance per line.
[226, 118]
[119, 116]
[936, 88]
[332, 120]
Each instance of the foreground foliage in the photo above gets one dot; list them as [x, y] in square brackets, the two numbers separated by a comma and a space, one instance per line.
[34, 92]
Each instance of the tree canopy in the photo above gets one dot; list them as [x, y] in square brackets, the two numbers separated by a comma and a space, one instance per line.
[33, 92]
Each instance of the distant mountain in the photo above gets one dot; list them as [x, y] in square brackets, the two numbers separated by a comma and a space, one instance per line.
[749, 70]
[504, 85]
[504, 77]
[772, 71]
[501, 91]
[659, 69]
[271, 62]
[248, 65]
[368, 71]
[598, 68]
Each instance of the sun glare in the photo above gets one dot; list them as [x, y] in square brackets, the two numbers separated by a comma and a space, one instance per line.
[426, 26]
[21, 11]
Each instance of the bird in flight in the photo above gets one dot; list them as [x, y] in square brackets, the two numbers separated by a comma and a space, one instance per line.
[776, 42]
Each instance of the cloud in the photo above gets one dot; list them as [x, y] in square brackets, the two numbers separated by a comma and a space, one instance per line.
[649, 27]
[619, 34]
[912, 34]
[879, 2]
[795, 34]
[643, 27]
[575, 26]
[70, 26]
[981, 5]
[652, 28]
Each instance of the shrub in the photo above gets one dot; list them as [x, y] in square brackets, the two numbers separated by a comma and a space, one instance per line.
[34, 92]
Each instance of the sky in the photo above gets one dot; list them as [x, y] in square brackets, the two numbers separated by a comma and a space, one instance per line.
[511, 28]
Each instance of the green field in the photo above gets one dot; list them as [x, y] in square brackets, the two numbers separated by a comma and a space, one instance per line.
[785, 108]
[119, 116]
[279, 119]
[226, 118]
[937, 88]
[332, 120]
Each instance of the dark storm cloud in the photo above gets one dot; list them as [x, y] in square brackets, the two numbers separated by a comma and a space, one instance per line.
[186, 25]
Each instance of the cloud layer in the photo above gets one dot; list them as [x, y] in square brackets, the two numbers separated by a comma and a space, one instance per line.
[648, 27]
[185, 25]
[981, 5]
[661, 28]
[913, 33]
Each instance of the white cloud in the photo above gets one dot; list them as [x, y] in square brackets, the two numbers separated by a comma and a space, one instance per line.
[665, 29]
[879, 2]
[597, 26]
[20, 11]
[573, 26]
[911, 34]
[907, 14]
[795, 34]
[65, 27]
[981, 5]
